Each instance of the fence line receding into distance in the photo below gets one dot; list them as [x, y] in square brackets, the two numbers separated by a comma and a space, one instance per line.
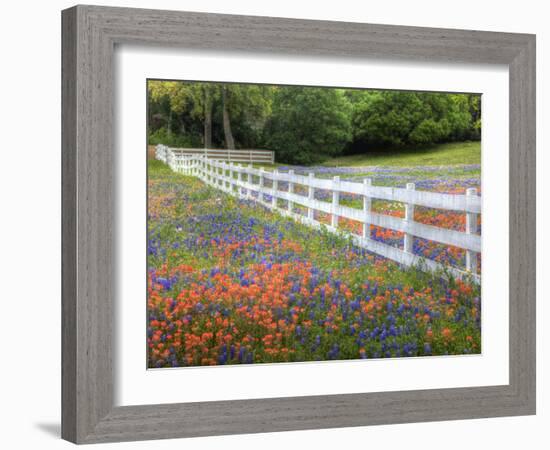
[238, 156]
[243, 181]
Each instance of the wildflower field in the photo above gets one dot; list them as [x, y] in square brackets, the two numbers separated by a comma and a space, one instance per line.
[230, 282]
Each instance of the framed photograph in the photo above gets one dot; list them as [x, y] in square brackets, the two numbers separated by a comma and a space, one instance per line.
[279, 224]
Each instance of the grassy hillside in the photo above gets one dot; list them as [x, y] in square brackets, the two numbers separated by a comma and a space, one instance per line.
[438, 155]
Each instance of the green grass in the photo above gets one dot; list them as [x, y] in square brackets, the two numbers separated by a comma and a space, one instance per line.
[156, 167]
[450, 158]
[437, 155]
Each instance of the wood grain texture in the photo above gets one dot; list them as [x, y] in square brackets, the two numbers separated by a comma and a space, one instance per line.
[522, 284]
[68, 226]
[89, 36]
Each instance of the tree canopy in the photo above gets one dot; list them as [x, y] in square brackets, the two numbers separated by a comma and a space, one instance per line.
[306, 124]
[393, 118]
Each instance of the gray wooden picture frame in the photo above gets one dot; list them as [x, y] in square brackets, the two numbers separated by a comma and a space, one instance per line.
[89, 37]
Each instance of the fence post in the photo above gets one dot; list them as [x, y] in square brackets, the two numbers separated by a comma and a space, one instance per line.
[231, 180]
[261, 186]
[367, 204]
[290, 188]
[240, 180]
[471, 228]
[249, 180]
[274, 188]
[226, 175]
[335, 201]
[409, 217]
[212, 174]
[310, 196]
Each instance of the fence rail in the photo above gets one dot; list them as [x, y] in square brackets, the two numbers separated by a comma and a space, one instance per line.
[243, 156]
[249, 182]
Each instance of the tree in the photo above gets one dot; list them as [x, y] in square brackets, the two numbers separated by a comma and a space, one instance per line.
[229, 141]
[190, 102]
[398, 118]
[245, 108]
[207, 96]
[474, 106]
[307, 124]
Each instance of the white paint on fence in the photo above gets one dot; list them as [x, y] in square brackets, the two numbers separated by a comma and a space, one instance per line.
[471, 229]
[221, 175]
[335, 206]
[409, 219]
[249, 156]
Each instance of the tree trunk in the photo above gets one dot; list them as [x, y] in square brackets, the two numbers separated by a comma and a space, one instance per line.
[207, 118]
[229, 141]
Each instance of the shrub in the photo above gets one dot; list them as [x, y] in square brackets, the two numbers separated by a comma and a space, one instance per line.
[166, 137]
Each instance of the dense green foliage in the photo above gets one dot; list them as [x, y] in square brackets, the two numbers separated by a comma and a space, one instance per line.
[395, 119]
[306, 124]
[192, 114]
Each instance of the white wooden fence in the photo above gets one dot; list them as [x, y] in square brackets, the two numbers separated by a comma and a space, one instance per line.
[249, 182]
[243, 156]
